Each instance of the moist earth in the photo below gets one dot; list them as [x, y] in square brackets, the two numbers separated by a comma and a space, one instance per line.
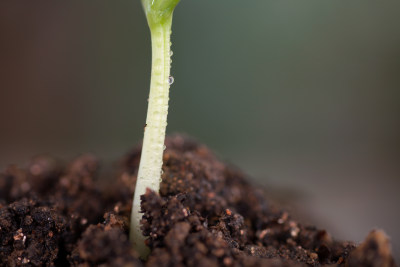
[207, 213]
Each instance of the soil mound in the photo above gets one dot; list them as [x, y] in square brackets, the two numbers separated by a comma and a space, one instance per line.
[206, 214]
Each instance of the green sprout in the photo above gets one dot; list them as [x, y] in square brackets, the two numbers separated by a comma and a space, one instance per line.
[159, 18]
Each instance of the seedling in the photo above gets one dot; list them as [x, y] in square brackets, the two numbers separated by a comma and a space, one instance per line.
[159, 17]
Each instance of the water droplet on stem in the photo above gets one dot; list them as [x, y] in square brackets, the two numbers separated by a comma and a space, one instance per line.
[170, 80]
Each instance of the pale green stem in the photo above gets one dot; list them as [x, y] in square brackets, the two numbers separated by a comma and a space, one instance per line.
[150, 168]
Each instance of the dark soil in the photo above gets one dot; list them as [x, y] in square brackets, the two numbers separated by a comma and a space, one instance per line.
[207, 214]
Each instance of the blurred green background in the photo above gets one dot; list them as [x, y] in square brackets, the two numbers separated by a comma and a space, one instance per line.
[301, 95]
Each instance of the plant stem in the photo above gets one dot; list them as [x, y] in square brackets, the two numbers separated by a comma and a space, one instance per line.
[150, 168]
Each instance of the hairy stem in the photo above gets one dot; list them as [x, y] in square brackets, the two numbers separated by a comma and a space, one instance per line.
[150, 168]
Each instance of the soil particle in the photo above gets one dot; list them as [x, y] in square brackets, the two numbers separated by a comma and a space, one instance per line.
[76, 193]
[30, 231]
[374, 251]
[38, 177]
[110, 240]
[72, 188]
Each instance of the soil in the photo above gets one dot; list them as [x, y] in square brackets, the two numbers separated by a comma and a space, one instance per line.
[206, 214]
